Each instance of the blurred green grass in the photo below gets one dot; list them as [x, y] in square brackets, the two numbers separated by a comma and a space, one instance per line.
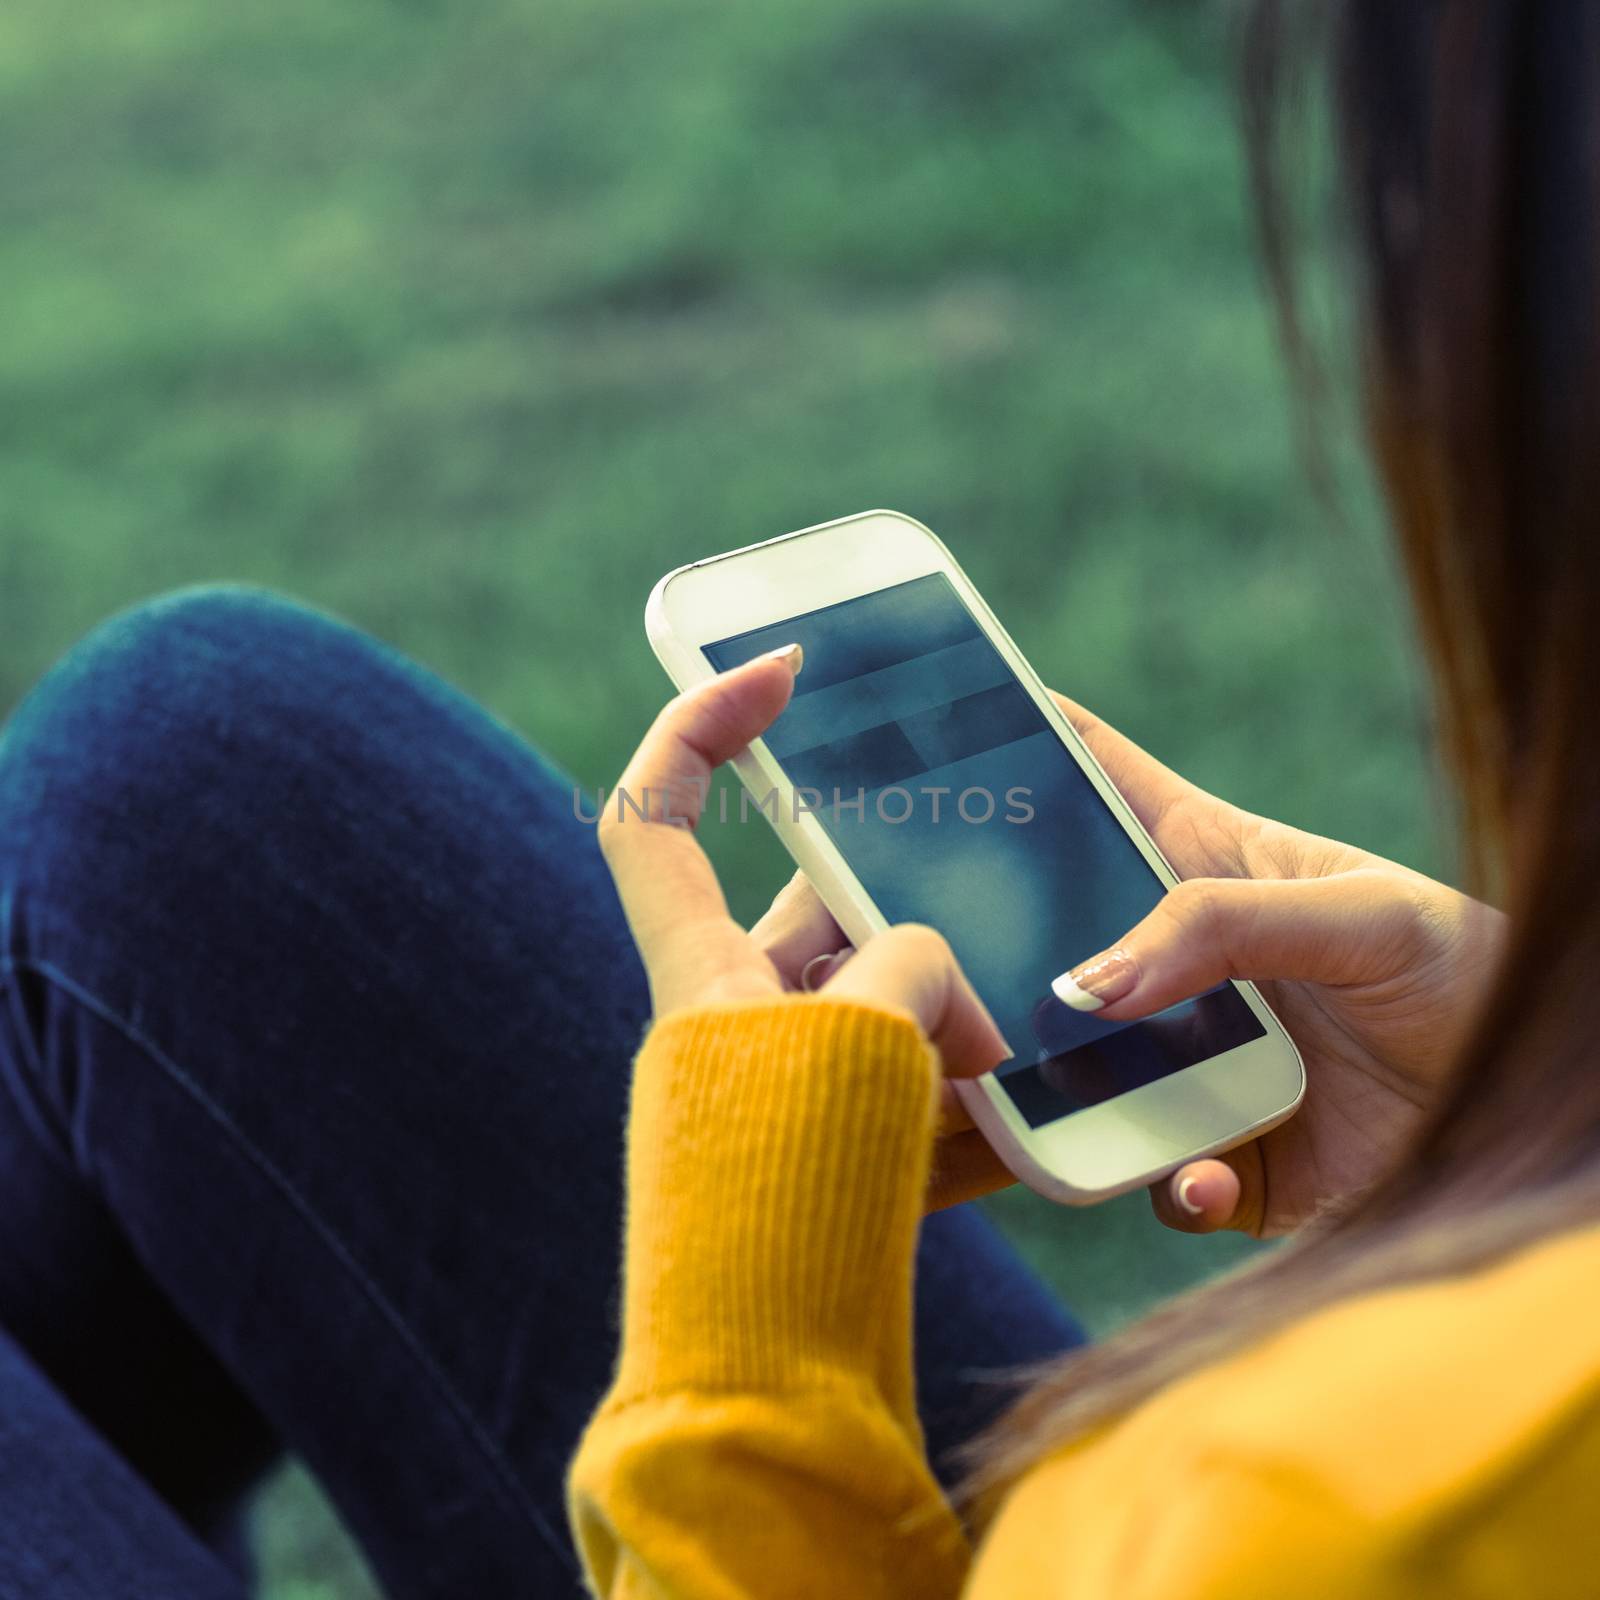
[469, 322]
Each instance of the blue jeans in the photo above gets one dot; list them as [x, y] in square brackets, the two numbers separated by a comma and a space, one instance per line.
[316, 1008]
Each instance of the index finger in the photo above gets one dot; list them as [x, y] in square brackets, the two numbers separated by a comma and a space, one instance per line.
[646, 830]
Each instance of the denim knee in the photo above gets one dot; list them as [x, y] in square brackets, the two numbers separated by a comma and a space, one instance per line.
[152, 723]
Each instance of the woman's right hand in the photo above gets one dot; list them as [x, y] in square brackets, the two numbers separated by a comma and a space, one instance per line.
[1375, 970]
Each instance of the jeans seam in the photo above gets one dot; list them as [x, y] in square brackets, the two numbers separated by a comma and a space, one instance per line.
[320, 1229]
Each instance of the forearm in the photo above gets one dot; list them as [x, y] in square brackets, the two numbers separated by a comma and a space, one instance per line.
[761, 1436]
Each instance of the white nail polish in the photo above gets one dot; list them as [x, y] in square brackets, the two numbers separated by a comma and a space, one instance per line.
[816, 970]
[1070, 994]
[791, 655]
[1186, 1200]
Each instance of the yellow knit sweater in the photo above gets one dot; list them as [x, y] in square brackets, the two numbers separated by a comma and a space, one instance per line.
[760, 1438]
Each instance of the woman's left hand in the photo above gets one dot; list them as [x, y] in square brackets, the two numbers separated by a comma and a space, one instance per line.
[695, 954]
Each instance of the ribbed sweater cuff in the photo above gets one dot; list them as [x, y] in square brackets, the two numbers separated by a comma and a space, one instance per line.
[778, 1152]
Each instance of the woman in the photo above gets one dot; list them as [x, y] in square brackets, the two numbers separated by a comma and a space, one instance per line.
[313, 1004]
[1407, 1400]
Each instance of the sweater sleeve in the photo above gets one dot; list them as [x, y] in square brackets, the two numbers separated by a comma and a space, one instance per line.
[760, 1437]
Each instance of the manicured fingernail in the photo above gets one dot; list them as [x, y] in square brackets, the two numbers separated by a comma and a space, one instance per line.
[1097, 982]
[791, 655]
[817, 971]
[1187, 1200]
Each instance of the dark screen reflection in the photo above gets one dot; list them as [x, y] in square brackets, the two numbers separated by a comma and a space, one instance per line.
[956, 804]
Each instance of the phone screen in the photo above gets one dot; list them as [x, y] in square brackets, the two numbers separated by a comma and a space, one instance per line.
[956, 804]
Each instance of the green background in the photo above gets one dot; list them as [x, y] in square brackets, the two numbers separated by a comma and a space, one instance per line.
[468, 321]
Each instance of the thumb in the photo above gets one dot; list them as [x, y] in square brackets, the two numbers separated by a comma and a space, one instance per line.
[910, 968]
[1354, 927]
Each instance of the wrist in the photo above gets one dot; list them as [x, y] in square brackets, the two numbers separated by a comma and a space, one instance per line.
[778, 1153]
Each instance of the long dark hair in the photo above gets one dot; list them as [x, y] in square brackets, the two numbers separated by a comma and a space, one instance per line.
[1468, 138]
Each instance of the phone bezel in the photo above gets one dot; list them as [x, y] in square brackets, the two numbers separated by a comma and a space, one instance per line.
[1088, 1155]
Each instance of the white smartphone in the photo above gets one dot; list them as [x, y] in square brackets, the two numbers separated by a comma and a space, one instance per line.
[922, 773]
